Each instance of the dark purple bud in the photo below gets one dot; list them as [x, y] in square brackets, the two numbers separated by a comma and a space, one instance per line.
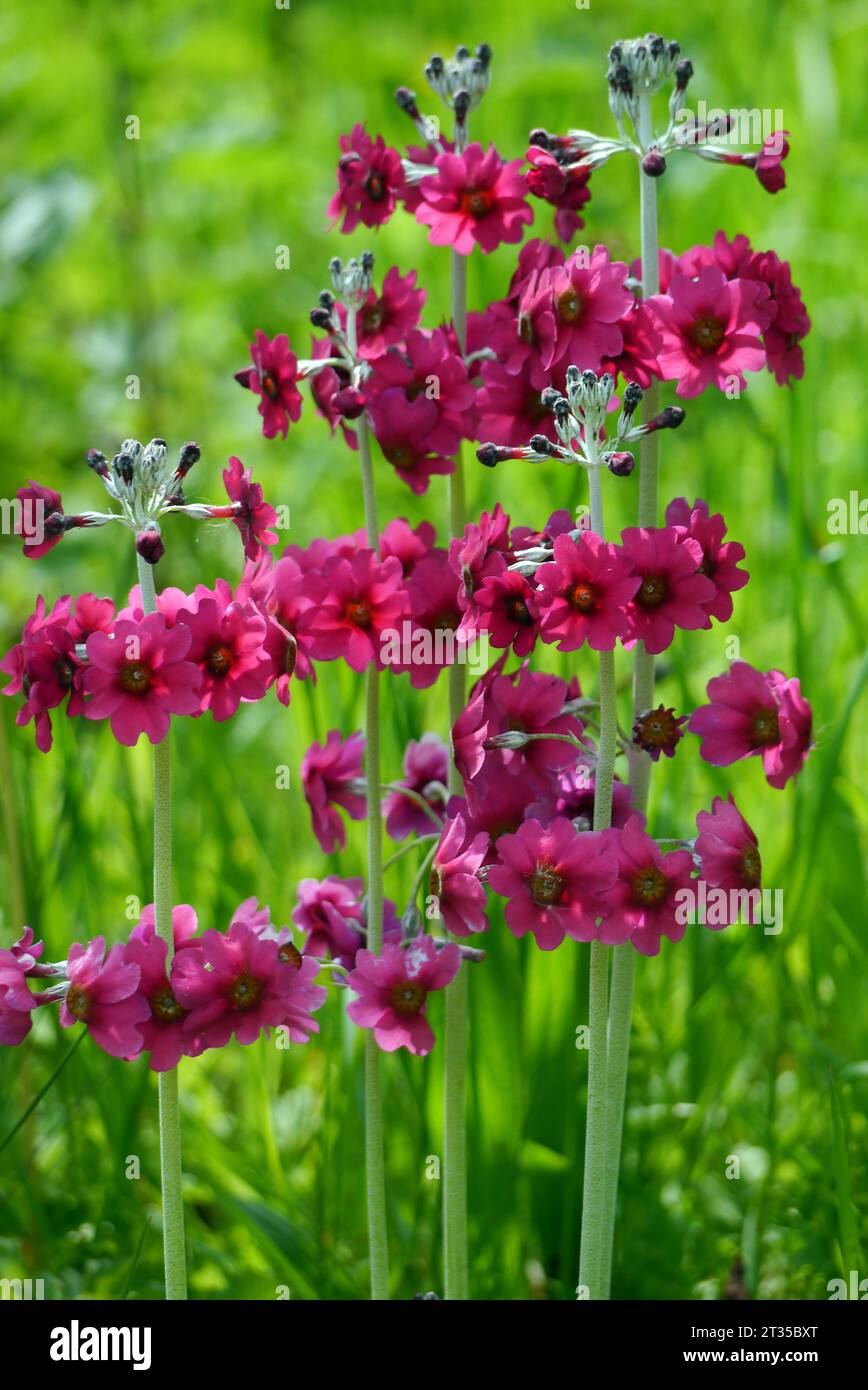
[483, 53]
[326, 299]
[683, 74]
[149, 544]
[541, 444]
[461, 105]
[349, 402]
[320, 317]
[190, 454]
[96, 460]
[654, 164]
[245, 377]
[621, 464]
[632, 397]
[407, 102]
[492, 454]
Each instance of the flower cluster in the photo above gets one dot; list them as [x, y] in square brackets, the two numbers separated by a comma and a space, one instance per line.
[238, 984]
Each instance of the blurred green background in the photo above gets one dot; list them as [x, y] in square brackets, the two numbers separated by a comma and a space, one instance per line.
[156, 258]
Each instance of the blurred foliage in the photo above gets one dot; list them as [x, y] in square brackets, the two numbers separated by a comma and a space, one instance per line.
[156, 258]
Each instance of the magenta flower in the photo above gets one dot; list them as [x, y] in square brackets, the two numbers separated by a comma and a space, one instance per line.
[644, 904]
[273, 378]
[238, 985]
[572, 794]
[454, 882]
[250, 512]
[555, 879]
[393, 990]
[16, 999]
[331, 775]
[140, 676]
[505, 606]
[428, 368]
[370, 180]
[510, 405]
[103, 995]
[228, 646]
[434, 618]
[710, 330]
[426, 766]
[403, 430]
[584, 593]
[386, 318]
[164, 1034]
[573, 313]
[719, 558]
[637, 360]
[728, 850]
[755, 713]
[474, 198]
[355, 601]
[672, 592]
[565, 187]
[529, 703]
[769, 163]
[39, 520]
[330, 913]
[45, 666]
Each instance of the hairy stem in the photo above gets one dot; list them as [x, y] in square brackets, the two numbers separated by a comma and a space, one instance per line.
[174, 1251]
[624, 957]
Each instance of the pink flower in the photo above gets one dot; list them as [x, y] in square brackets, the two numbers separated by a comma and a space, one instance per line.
[710, 330]
[90, 614]
[44, 664]
[454, 882]
[163, 1034]
[755, 713]
[139, 676]
[426, 766]
[434, 618]
[573, 314]
[474, 198]
[355, 601]
[40, 519]
[403, 430]
[331, 775]
[238, 985]
[370, 180]
[410, 544]
[644, 903]
[103, 995]
[564, 187]
[510, 406]
[555, 879]
[728, 849]
[572, 794]
[585, 590]
[330, 913]
[228, 646]
[428, 368]
[505, 606]
[250, 512]
[672, 591]
[273, 378]
[769, 163]
[393, 990]
[637, 360]
[719, 558]
[386, 318]
[16, 999]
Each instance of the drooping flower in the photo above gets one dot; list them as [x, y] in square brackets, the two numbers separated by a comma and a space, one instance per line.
[755, 713]
[474, 198]
[393, 990]
[562, 183]
[103, 995]
[710, 330]
[16, 999]
[555, 879]
[584, 593]
[644, 903]
[768, 164]
[39, 519]
[228, 647]
[330, 912]
[250, 512]
[273, 377]
[46, 667]
[370, 181]
[237, 985]
[454, 882]
[139, 676]
[672, 592]
[355, 601]
[729, 853]
[331, 775]
[719, 558]
[426, 765]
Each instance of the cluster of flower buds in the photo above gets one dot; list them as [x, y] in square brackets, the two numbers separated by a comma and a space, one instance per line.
[461, 82]
[580, 417]
[640, 68]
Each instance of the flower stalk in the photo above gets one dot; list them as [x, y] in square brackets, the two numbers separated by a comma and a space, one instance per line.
[174, 1251]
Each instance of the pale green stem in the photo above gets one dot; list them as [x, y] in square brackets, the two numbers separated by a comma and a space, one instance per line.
[594, 1232]
[174, 1251]
[624, 957]
[455, 1026]
[375, 1154]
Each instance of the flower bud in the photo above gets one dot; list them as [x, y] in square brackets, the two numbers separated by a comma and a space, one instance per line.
[149, 544]
[621, 463]
[654, 164]
[349, 402]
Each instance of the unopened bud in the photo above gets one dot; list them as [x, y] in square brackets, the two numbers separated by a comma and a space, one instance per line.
[349, 402]
[621, 463]
[190, 454]
[149, 544]
[654, 164]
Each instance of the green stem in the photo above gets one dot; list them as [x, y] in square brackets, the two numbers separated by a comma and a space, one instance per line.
[375, 1153]
[624, 957]
[455, 1025]
[595, 1234]
[175, 1257]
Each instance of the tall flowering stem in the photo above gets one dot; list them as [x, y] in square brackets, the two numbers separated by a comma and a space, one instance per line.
[174, 1251]
[624, 957]
[595, 1234]
[375, 1159]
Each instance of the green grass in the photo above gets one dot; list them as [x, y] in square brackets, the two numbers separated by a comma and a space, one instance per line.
[155, 258]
